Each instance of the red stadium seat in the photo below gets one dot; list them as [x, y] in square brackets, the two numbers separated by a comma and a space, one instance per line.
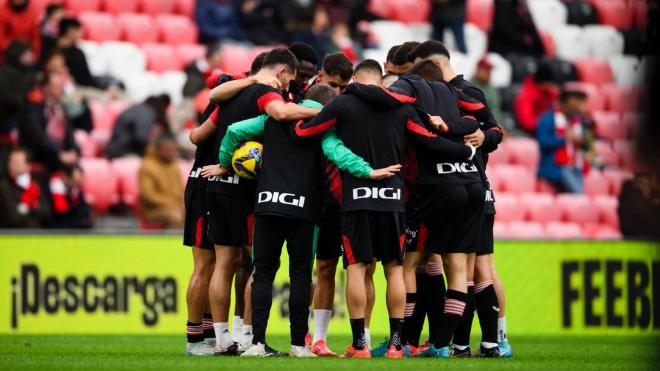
[99, 26]
[620, 98]
[607, 206]
[606, 152]
[593, 70]
[100, 117]
[161, 57]
[609, 125]
[126, 169]
[614, 13]
[563, 231]
[508, 208]
[185, 7]
[544, 186]
[500, 230]
[411, 11]
[101, 137]
[516, 178]
[120, 6]
[540, 208]
[190, 52]
[595, 100]
[524, 151]
[185, 167]
[382, 8]
[155, 7]
[631, 122]
[595, 183]
[601, 232]
[525, 230]
[480, 13]
[240, 59]
[502, 155]
[577, 209]
[616, 178]
[87, 146]
[99, 183]
[177, 29]
[548, 43]
[137, 28]
[77, 6]
[640, 11]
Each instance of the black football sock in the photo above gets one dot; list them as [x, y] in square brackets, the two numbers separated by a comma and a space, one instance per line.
[464, 328]
[436, 299]
[414, 331]
[488, 309]
[454, 307]
[207, 326]
[194, 332]
[411, 298]
[396, 324]
[357, 328]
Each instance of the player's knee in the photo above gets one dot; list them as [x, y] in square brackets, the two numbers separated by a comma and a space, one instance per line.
[326, 269]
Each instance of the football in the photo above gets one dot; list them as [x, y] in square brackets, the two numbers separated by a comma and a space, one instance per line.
[247, 160]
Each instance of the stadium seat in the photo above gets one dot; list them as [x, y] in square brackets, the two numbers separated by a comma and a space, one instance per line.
[548, 43]
[390, 33]
[77, 6]
[161, 57]
[540, 207]
[544, 186]
[155, 7]
[403, 10]
[508, 96]
[631, 122]
[564, 70]
[421, 31]
[381, 8]
[476, 41]
[595, 183]
[524, 151]
[176, 29]
[139, 86]
[620, 98]
[593, 70]
[185, 167]
[508, 208]
[516, 178]
[525, 230]
[480, 13]
[96, 61]
[124, 59]
[501, 73]
[126, 169]
[626, 69]
[99, 26]
[522, 66]
[171, 83]
[101, 137]
[100, 117]
[595, 100]
[604, 41]
[548, 14]
[607, 206]
[464, 64]
[563, 231]
[640, 11]
[99, 183]
[601, 232]
[577, 209]
[500, 230]
[606, 152]
[609, 125]
[185, 7]
[87, 146]
[581, 13]
[570, 42]
[120, 6]
[240, 60]
[137, 28]
[616, 178]
[502, 155]
[190, 52]
[625, 149]
[614, 13]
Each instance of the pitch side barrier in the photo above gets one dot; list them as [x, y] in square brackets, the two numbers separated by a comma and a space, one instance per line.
[136, 284]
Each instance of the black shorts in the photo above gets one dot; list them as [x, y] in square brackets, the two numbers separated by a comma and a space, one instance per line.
[195, 229]
[449, 218]
[329, 243]
[486, 247]
[230, 219]
[369, 235]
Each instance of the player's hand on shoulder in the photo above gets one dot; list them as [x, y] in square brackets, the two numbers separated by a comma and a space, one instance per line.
[213, 170]
[384, 173]
[438, 124]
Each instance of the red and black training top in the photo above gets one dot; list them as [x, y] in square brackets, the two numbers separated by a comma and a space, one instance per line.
[250, 102]
[373, 122]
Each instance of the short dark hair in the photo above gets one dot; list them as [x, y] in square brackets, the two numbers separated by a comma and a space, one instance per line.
[544, 73]
[304, 52]
[68, 23]
[52, 8]
[213, 48]
[322, 93]
[69, 169]
[401, 55]
[427, 70]
[257, 63]
[338, 64]
[281, 56]
[427, 49]
[567, 95]
[391, 53]
[163, 138]
[369, 64]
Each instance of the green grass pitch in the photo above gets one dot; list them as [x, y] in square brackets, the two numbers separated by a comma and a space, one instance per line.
[578, 353]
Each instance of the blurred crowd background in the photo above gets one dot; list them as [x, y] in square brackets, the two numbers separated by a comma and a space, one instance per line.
[97, 98]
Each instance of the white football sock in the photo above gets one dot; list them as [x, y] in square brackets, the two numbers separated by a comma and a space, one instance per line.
[501, 329]
[488, 345]
[460, 347]
[247, 329]
[367, 338]
[222, 335]
[246, 334]
[321, 323]
[237, 324]
[309, 321]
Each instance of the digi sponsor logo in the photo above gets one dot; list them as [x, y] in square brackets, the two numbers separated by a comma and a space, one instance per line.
[456, 167]
[226, 178]
[195, 173]
[33, 293]
[489, 196]
[281, 198]
[603, 288]
[376, 193]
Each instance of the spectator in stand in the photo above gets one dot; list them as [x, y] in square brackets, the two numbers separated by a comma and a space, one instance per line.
[43, 127]
[69, 35]
[218, 20]
[562, 139]
[19, 20]
[198, 71]
[390, 67]
[22, 202]
[449, 14]
[482, 80]
[17, 77]
[137, 126]
[514, 31]
[70, 210]
[639, 207]
[301, 23]
[161, 188]
[538, 94]
[50, 28]
[261, 20]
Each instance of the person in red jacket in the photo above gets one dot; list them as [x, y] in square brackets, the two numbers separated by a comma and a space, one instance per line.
[19, 19]
[538, 94]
